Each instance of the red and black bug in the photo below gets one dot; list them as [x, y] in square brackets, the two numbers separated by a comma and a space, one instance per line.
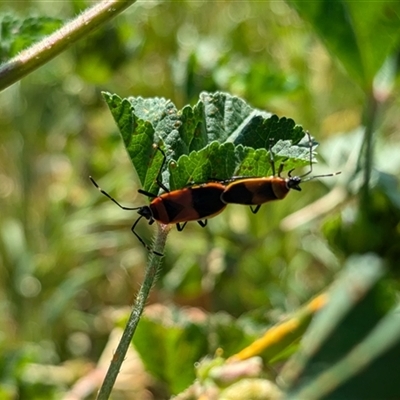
[193, 203]
[255, 191]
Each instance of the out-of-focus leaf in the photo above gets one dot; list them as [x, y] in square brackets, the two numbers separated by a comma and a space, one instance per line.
[279, 341]
[171, 341]
[169, 344]
[18, 34]
[359, 230]
[353, 345]
[361, 34]
[15, 381]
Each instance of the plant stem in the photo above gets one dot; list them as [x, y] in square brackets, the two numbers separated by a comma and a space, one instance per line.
[137, 310]
[370, 118]
[51, 46]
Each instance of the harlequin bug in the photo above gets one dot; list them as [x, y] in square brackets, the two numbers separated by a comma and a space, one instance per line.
[255, 191]
[193, 203]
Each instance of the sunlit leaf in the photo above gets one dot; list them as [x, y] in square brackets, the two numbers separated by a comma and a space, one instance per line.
[220, 137]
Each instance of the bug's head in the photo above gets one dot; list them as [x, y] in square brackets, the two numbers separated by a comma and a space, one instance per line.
[293, 182]
[145, 212]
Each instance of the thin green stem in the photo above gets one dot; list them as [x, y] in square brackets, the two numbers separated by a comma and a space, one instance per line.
[52, 45]
[137, 310]
[370, 119]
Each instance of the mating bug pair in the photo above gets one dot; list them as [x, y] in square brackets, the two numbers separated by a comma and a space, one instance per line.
[202, 201]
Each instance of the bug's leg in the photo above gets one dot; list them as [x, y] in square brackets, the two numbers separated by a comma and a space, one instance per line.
[255, 210]
[203, 224]
[180, 227]
[158, 180]
[280, 169]
[148, 194]
[141, 240]
[137, 235]
[271, 160]
[310, 142]
[310, 145]
[151, 221]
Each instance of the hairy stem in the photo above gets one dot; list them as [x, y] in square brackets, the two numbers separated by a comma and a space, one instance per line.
[370, 119]
[137, 310]
[51, 46]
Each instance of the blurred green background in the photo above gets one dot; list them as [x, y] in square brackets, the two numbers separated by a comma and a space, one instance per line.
[67, 256]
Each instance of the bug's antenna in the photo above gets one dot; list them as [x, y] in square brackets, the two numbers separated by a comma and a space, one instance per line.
[144, 211]
[321, 176]
[311, 166]
[112, 198]
[293, 182]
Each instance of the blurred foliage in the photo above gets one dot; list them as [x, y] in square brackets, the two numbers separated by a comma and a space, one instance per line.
[170, 341]
[67, 257]
[355, 41]
[353, 341]
[19, 33]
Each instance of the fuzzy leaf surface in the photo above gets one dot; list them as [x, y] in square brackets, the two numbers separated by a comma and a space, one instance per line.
[219, 137]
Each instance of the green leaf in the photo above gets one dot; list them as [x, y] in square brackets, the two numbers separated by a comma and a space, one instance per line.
[171, 341]
[361, 34]
[18, 34]
[353, 346]
[137, 120]
[201, 166]
[169, 344]
[220, 137]
[370, 227]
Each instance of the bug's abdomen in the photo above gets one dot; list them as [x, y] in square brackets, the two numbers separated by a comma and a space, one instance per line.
[189, 204]
[255, 191]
